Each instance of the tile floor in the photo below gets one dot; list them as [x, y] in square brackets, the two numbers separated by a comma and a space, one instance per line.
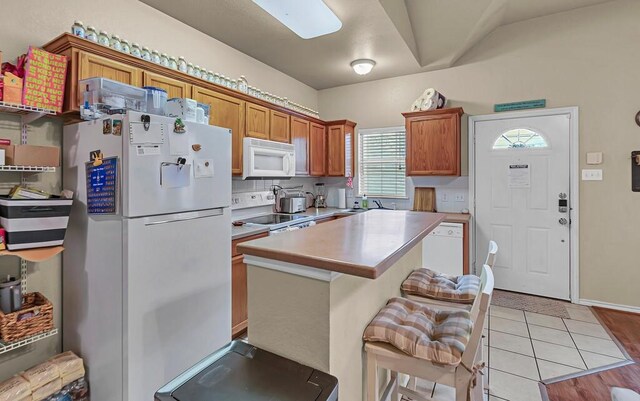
[525, 347]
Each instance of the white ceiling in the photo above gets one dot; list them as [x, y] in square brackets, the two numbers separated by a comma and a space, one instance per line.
[402, 36]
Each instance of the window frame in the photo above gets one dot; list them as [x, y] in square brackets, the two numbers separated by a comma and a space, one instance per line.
[365, 131]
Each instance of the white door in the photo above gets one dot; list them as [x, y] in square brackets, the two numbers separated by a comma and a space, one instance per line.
[522, 179]
[177, 284]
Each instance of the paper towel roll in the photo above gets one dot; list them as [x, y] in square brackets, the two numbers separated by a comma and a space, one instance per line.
[342, 198]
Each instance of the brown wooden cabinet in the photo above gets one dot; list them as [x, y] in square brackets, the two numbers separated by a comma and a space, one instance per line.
[90, 66]
[300, 140]
[317, 150]
[228, 112]
[433, 142]
[340, 148]
[173, 87]
[280, 127]
[257, 121]
[239, 310]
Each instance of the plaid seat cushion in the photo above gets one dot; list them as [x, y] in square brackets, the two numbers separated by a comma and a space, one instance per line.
[430, 284]
[420, 331]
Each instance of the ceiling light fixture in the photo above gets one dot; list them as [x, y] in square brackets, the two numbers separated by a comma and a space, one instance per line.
[363, 66]
[306, 18]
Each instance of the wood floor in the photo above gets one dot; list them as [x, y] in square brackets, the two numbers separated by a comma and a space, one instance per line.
[596, 386]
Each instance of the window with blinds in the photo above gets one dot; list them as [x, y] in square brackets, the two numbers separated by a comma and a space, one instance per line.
[381, 158]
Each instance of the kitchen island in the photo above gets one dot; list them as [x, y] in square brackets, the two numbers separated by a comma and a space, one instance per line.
[313, 291]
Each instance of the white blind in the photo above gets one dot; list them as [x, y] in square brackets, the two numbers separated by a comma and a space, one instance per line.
[382, 162]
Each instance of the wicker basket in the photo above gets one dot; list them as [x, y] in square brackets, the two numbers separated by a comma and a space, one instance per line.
[18, 325]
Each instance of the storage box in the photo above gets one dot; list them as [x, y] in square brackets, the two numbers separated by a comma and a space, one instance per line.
[30, 155]
[12, 89]
[34, 223]
[102, 93]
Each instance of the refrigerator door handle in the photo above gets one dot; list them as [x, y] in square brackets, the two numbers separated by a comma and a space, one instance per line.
[151, 221]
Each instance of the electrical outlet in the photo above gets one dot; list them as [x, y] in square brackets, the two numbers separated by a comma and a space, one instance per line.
[459, 197]
[591, 175]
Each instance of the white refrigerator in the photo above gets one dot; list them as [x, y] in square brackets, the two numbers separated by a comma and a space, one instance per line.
[147, 290]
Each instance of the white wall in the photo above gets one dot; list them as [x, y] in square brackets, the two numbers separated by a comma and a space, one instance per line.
[588, 58]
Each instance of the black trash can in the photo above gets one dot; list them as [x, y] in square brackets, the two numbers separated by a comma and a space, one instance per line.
[242, 372]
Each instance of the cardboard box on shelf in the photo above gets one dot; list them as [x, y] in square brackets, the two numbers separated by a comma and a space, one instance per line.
[12, 92]
[30, 155]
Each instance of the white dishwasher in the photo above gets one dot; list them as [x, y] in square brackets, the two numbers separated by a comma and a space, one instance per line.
[442, 249]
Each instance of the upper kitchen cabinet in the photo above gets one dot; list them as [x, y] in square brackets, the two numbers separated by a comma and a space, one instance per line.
[257, 121]
[300, 140]
[173, 87]
[90, 65]
[340, 148]
[317, 150]
[280, 127]
[434, 142]
[229, 112]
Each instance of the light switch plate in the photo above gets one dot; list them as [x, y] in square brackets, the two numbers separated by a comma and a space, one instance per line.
[594, 158]
[591, 175]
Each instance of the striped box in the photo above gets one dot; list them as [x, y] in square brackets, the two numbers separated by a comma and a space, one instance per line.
[34, 223]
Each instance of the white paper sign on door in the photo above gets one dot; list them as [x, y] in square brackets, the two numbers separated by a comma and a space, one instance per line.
[519, 176]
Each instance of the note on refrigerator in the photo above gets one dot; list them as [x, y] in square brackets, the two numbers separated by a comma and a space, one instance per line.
[178, 144]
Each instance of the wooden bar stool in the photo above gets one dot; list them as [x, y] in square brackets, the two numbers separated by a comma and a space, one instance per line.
[418, 340]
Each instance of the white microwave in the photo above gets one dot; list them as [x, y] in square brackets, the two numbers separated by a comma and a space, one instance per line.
[267, 159]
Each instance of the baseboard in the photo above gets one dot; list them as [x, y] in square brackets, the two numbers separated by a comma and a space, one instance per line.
[625, 308]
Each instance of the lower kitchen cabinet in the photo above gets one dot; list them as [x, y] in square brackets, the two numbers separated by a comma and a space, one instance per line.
[239, 311]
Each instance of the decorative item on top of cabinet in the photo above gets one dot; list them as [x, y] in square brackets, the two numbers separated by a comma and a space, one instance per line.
[279, 127]
[257, 121]
[434, 142]
[340, 148]
[300, 140]
[173, 87]
[228, 112]
[317, 150]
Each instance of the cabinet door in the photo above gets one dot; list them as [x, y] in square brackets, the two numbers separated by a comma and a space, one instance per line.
[239, 309]
[349, 151]
[228, 112]
[317, 150]
[173, 87]
[433, 145]
[335, 151]
[279, 127]
[300, 140]
[257, 121]
[91, 66]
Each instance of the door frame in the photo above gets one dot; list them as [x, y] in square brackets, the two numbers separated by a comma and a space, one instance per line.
[574, 184]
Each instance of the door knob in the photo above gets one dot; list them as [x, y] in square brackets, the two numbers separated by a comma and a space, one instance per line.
[563, 221]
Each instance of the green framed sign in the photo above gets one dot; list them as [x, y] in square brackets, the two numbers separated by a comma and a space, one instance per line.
[527, 104]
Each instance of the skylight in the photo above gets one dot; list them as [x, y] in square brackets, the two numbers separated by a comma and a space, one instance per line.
[306, 18]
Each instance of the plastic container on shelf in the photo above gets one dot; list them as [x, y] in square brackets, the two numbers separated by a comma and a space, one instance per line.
[190, 69]
[102, 93]
[197, 72]
[156, 100]
[243, 85]
[155, 57]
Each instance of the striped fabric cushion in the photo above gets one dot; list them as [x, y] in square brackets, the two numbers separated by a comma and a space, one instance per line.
[430, 284]
[420, 331]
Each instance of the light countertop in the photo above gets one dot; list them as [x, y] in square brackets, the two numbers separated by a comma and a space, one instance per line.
[365, 244]
[238, 232]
